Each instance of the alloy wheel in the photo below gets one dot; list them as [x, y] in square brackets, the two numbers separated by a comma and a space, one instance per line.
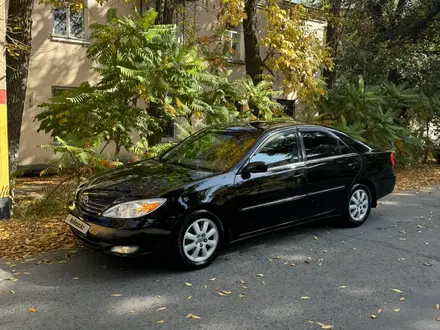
[200, 240]
[358, 206]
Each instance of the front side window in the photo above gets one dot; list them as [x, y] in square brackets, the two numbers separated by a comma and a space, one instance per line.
[212, 150]
[320, 145]
[68, 23]
[280, 150]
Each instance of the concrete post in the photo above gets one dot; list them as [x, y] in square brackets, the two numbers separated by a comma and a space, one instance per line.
[4, 155]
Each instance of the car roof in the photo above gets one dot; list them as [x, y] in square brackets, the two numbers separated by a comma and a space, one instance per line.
[262, 126]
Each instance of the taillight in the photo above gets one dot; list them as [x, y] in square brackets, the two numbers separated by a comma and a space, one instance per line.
[392, 159]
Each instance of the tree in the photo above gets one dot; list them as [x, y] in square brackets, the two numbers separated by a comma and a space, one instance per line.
[146, 75]
[294, 52]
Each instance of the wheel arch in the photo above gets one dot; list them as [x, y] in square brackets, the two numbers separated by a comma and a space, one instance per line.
[372, 188]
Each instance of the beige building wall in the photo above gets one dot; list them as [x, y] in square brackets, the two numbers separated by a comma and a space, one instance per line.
[58, 62]
[55, 62]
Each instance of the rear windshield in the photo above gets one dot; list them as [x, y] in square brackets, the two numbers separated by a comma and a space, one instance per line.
[212, 150]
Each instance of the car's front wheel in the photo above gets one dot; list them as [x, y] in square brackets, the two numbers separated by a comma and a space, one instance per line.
[199, 240]
[358, 206]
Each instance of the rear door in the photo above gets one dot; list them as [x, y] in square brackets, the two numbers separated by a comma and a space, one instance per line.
[272, 198]
[332, 167]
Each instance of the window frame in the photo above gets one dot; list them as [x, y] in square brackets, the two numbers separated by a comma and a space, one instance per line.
[69, 37]
[229, 33]
[271, 137]
[325, 131]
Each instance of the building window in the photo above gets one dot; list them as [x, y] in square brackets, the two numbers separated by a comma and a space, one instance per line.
[68, 24]
[233, 44]
[288, 107]
[57, 91]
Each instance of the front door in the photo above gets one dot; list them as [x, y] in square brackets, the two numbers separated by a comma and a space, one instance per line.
[331, 170]
[269, 199]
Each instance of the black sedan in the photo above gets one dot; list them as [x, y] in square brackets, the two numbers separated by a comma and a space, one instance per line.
[229, 182]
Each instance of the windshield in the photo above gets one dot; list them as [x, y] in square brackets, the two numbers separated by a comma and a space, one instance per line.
[212, 150]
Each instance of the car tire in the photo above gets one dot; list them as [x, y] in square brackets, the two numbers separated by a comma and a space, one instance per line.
[199, 240]
[358, 206]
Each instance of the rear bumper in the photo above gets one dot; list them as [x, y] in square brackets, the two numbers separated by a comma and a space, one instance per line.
[385, 186]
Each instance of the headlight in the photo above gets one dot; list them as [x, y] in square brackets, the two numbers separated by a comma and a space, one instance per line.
[134, 209]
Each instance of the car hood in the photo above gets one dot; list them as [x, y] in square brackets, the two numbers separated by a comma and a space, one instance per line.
[143, 179]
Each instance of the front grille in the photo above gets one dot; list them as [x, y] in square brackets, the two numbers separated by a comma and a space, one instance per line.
[94, 203]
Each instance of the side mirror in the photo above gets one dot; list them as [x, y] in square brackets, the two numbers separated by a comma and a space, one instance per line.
[255, 167]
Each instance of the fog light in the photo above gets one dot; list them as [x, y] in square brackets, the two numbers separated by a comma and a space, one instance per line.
[124, 249]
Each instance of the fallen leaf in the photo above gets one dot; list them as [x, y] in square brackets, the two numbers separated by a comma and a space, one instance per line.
[192, 316]
[158, 297]
[342, 287]
[75, 278]
[437, 307]
[311, 322]
[241, 295]
[305, 298]
[327, 327]
[320, 324]
[379, 311]
[13, 279]
[221, 294]
[427, 264]
[160, 321]
[259, 275]
[396, 290]
[242, 282]
[396, 310]
[11, 291]
[438, 318]
[315, 238]
[291, 265]
[161, 309]
[245, 287]
[15, 274]
[270, 259]
[62, 262]
[189, 297]
[278, 257]
[402, 238]
[373, 316]
[285, 263]
[188, 284]
[402, 299]
[226, 292]
[206, 286]
[262, 282]
[32, 310]
[212, 279]
[26, 273]
[116, 295]
[132, 312]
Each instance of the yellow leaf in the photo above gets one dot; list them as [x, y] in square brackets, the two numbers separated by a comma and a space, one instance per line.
[379, 311]
[396, 290]
[26, 273]
[262, 282]
[11, 291]
[206, 286]
[278, 257]
[438, 318]
[132, 312]
[402, 299]
[242, 282]
[221, 294]
[315, 238]
[160, 321]
[116, 295]
[188, 284]
[192, 316]
[396, 310]
[327, 327]
[212, 279]
[320, 324]
[373, 316]
[241, 295]
[189, 297]
[311, 322]
[305, 298]
[15, 274]
[259, 275]
[291, 265]
[270, 259]
[75, 278]
[226, 292]
[158, 297]
[437, 307]
[160, 309]
[32, 309]
[245, 287]
[342, 287]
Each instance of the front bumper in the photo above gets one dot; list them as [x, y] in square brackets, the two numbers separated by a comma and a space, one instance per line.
[103, 238]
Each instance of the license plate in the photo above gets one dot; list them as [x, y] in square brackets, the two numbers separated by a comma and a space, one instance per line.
[77, 224]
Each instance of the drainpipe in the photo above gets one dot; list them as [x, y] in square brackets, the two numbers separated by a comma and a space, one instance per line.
[5, 204]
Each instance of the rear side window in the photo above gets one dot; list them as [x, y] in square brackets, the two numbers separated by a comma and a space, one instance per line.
[320, 145]
[345, 150]
[356, 145]
[280, 150]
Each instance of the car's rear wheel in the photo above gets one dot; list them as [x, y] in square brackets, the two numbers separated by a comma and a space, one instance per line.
[199, 240]
[358, 206]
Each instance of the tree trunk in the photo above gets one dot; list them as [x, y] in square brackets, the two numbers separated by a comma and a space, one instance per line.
[252, 56]
[19, 39]
[156, 136]
[332, 39]
[165, 11]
